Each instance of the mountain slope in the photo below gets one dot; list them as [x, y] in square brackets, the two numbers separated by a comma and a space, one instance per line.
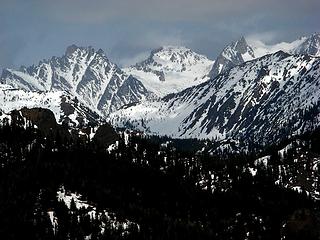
[171, 69]
[67, 109]
[82, 72]
[260, 99]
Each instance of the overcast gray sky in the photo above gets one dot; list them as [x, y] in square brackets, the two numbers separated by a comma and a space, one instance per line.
[127, 30]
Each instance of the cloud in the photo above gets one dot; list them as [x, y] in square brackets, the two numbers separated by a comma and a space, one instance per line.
[266, 37]
[127, 29]
[10, 49]
[131, 60]
[101, 11]
[129, 51]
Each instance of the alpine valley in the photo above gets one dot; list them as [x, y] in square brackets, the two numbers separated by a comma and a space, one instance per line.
[176, 146]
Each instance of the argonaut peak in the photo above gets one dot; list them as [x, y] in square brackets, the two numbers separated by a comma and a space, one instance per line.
[83, 72]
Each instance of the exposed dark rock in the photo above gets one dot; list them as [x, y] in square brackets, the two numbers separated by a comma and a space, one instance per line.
[105, 135]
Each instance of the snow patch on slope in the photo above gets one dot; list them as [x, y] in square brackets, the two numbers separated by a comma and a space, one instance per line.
[105, 216]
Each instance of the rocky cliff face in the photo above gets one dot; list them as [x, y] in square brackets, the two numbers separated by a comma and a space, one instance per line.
[234, 54]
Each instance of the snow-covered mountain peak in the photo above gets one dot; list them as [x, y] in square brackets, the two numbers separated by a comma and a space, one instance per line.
[242, 50]
[74, 50]
[171, 69]
[260, 49]
[178, 55]
[241, 46]
[238, 50]
[241, 43]
[82, 72]
[81, 56]
[233, 54]
[71, 50]
[310, 45]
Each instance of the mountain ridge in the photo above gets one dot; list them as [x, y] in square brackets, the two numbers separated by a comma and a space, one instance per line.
[235, 103]
[82, 72]
[241, 50]
[187, 106]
